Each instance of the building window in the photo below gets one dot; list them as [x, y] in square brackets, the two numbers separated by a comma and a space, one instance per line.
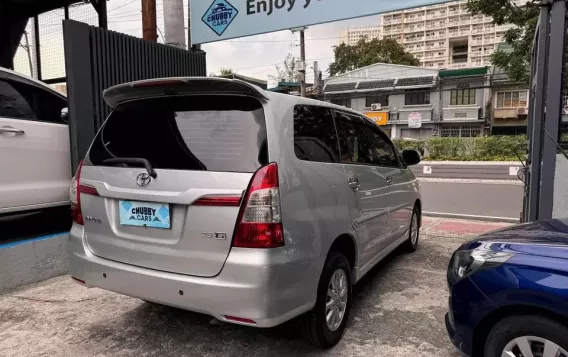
[460, 131]
[344, 102]
[463, 95]
[417, 98]
[511, 99]
[381, 99]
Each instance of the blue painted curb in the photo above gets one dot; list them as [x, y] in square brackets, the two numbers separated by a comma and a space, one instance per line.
[13, 244]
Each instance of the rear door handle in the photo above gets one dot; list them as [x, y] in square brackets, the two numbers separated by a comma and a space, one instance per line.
[11, 130]
[354, 183]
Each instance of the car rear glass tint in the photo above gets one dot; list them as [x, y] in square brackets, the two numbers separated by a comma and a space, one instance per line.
[207, 133]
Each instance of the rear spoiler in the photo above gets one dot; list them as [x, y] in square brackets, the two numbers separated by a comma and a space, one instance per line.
[179, 85]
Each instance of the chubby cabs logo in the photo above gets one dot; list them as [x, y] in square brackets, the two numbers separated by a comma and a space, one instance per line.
[219, 16]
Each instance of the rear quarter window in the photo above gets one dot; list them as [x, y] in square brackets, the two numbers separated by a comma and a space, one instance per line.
[206, 133]
[315, 137]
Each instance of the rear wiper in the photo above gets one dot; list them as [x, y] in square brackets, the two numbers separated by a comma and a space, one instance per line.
[133, 161]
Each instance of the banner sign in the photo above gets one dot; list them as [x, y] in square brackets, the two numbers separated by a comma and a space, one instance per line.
[216, 20]
[380, 118]
[415, 120]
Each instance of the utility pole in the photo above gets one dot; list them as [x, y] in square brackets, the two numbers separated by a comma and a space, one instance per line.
[303, 59]
[149, 25]
[173, 23]
[27, 48]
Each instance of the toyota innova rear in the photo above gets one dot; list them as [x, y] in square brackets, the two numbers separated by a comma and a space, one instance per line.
[215, 196]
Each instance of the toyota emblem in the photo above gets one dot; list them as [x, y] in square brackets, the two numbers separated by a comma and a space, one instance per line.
[143, 179]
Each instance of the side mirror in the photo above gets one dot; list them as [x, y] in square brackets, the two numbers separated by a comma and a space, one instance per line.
[410, 157]
[65, 115]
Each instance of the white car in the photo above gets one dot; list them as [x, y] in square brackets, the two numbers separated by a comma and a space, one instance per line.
[35, 158]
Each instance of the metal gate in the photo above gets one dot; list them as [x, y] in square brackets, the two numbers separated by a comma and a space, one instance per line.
[96, 59]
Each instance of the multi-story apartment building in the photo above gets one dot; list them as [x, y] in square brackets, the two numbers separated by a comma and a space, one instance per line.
[445, 35]
[440, 36]
[353, 35]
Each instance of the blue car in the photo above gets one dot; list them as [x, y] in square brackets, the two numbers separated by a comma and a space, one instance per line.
[509, 292]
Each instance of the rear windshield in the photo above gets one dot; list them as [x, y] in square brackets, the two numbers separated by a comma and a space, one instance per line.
[206, 133]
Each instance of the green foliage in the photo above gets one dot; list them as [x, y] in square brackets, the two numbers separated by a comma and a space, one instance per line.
[491, 148]
[366, 53]
[227, 71]
[515, 62]
[288, 72]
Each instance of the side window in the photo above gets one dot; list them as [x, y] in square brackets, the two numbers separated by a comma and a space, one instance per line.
[356, 141]
[385, 152]
[13, 104]
[22, 101]
[315, 137]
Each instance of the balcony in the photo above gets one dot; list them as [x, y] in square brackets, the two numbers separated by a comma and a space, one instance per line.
[476, 53]
[477, 42]
[394, 31]
[413, 39]
[437, 37]
[477, 31]
[465, 32]
[489, 29]
[465, 113]
[397, 21]
[453, 12]
[489, 41]
[458, 65]
[414, 19]
[453, 23]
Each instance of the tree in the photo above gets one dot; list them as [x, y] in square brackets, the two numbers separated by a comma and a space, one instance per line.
[289, 71]
[366, 53]
[227, 71]
[516, 61]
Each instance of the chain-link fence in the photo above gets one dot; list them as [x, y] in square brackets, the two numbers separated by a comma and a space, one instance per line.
[52, 58]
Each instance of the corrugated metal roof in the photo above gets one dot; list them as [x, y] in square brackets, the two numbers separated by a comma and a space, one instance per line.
[415, 81]
[376, 84]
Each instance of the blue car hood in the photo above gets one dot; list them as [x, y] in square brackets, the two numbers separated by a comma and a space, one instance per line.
[543, 238]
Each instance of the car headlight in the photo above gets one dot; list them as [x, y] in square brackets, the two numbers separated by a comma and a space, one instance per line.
[465, 262]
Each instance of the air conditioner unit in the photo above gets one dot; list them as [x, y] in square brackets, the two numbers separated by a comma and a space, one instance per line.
[522, 111]
[376, 107]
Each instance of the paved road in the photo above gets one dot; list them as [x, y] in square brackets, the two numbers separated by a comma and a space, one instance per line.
[398, 311]
[483, 199]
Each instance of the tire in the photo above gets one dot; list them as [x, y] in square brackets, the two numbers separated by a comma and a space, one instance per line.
[531, 327]
[411, 244]
[315, 328]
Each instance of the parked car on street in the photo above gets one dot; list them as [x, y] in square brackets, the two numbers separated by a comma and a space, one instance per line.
[34, 146]
[215, 196]
[509, 292]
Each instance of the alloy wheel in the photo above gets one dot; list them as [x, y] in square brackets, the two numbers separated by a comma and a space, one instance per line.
[336, 300]
[414, 230]
[531, 346]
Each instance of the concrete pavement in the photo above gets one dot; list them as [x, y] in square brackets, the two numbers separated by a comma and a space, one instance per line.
[473, 198]
[398, 310]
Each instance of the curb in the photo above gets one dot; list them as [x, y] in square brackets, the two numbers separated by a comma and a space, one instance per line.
[471, 217]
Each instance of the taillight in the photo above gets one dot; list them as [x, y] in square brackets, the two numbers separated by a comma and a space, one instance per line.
[75, 194]
[260, 219]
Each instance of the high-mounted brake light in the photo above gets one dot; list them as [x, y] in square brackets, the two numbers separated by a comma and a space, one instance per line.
[260, 219]
[75, 194]
[159, 83]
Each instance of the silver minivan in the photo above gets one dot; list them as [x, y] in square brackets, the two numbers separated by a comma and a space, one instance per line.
[215, 196]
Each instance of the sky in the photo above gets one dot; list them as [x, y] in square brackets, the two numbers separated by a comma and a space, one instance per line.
[254, 56]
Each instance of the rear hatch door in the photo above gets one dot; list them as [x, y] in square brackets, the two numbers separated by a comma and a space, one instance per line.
[204, 150]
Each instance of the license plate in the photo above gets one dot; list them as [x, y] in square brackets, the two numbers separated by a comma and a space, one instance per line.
[145, 214]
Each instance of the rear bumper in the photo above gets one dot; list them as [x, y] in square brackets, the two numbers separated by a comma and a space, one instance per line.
[262, 285]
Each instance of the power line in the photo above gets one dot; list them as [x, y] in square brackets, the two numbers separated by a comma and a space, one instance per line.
[121, 6]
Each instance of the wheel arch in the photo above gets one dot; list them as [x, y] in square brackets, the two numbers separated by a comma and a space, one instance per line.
[347, 245]
[484, 327]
